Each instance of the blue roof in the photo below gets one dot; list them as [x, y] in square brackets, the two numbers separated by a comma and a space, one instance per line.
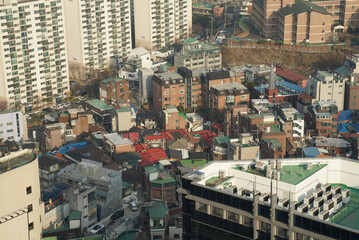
[348, 127]
[345, 116]
[259, 89]
[291, 86]
[311, 152]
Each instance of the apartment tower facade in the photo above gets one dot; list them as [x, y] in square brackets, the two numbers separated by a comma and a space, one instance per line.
[160, 23]
[33, 59]
[97, 30]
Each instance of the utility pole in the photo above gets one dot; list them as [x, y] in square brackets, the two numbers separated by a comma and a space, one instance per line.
[211, 26]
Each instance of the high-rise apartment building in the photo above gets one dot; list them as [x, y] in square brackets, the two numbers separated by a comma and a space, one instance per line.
[160, 23]
[96, 30]
[33, 66]
[21, 208]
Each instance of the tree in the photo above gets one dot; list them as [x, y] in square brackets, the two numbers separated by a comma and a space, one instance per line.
[76, 71]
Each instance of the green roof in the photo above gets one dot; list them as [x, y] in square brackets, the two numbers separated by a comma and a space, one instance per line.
[297, 173]
[157, 211]
[64, 227]
[124, 109]
[302, 6]
[344, 71]
[99, 104]
[151, 169]
[112, 80]
[292, 174]
[11, 110]
[324, 73]
[275, 142]
[126, 184]
[15, 162]
[127, 236]
[202, 5]
[90, 238]
[190, 40]
[221, 139]
[193, 163]
[75, 215]
[163, 181]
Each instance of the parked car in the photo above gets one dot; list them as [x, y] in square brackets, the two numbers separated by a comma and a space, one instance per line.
[97, 228]
[118, 214]
[133, 206]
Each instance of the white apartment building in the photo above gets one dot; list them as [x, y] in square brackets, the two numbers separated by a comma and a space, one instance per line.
[160, 23]
[21, 208]
[96, 31]
[12, 125]
[33, 60]
[325, 87]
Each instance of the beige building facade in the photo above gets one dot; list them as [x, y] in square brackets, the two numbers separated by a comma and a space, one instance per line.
[21, 208]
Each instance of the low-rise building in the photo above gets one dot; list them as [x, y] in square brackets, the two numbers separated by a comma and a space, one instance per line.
[154, 220]
[243, 148]
[115, 143]
[108, 184]
[219, 147]
[55, 135]
[173, 119]
[126, 118]
[325, 87]
[324, 118]
[292, 122]
[114, 90]
[229, 94]
[292, 77]
[195, 122]
[101, 111]
[13, 125]
[82, 200]
[199, 55]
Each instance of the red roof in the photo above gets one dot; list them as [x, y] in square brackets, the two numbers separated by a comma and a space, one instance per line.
[206, 135]
[218, 126]
[153, 137]
[168, 134]
[133, 136]
[291, 75]
[305, 96]
[152, 156]
[140, 147]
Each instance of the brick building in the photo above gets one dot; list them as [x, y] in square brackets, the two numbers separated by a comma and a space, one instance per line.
[229, 94]
[116, 144]
[324, 118]
[187, 88]
[55, 135]
[76, 120]
[302, 20]
[273, 144]
[114, 90]
[172, 119]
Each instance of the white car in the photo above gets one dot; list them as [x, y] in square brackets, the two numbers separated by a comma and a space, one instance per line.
[97, 228]
[133, 206]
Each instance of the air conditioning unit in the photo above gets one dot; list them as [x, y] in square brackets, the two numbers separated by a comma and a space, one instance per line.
[313, 212]
[309, 199]
[283, 203]
[241, 192]
[324, 215]
[337, 189]
[279, 164]
[231, 189]
[269, 173]
[264, 197]
[327, 196]
[272, 164]
[346, 196]
[294, 205]
[329, 206]
[303, 208]
[276, 175]
[319, 202]
[326, 187]
[318, 192]
[338, 201]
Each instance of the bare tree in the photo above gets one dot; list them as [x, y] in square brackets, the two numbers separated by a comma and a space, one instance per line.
[76, 70]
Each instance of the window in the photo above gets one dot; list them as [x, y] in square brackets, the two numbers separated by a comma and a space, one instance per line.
[232, 216]
[31, 226]
[282, 232]
[28, 190]
[265, 227]
[9, 123]
[157, 237]
[247, 221]
[216, 211]
[201, 207]
[29, 208]
[176, 235]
